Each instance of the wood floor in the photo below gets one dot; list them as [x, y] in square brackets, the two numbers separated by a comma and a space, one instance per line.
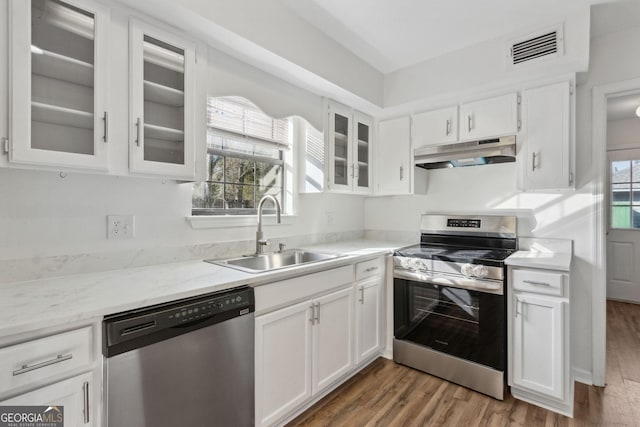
[386, 394]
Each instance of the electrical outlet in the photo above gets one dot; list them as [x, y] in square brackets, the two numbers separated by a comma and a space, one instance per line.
[120, 227]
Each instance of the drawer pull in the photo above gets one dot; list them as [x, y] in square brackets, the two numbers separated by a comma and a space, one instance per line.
[371, 269]
[27, 368]
[533, 282]
[85, 392]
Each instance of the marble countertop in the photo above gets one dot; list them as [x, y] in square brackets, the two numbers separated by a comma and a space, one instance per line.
[31, 305]
[552, 254]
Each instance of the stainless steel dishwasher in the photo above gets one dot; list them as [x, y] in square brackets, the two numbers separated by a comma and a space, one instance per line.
[185, 363]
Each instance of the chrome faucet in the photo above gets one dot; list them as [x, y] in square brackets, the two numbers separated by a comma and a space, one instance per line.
[260, 241]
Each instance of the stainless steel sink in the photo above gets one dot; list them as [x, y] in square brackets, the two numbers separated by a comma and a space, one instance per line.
[273, 261]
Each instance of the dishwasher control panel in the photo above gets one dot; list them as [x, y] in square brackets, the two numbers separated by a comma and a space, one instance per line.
[207, 308]
[168, 319]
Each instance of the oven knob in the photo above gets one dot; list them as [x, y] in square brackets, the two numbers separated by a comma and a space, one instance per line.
[480, 271]
[467, 270]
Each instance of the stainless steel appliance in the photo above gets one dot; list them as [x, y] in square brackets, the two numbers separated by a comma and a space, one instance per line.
[449, 300]
[187, 363]
[470, 153]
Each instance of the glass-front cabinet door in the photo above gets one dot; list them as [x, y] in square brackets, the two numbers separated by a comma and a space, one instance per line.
[340, 137]
[362, 126]
[58, 84]
[162, 103]
[349, 140]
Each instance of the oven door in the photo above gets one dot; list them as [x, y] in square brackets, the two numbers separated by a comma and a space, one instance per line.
[465, 323]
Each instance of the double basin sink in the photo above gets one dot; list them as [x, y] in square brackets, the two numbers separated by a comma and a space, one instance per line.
[260, 263]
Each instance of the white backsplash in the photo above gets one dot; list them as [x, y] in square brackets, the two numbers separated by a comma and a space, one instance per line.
[14, 270]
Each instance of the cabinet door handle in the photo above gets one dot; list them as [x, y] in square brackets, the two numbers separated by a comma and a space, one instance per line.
[105, 119]
[85, 389]
[518, 307]
[401, 173]
[469, 122]
[312, 311]
[448, 129]
[361, 300]
[533, 282]
[138, 123]
[28, 368]
[533, 162]
[318, 313]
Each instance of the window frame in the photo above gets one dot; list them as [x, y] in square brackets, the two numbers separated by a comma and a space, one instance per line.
[629, 205]
[257, 140]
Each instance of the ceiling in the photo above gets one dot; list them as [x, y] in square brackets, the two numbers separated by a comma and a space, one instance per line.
[623, 107]
[395, 34]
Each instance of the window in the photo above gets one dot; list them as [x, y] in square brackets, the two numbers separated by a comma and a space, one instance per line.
[245, 158]
[625, 194]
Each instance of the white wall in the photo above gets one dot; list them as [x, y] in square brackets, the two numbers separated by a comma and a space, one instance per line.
[482, 67]
[43, 215]
[621, 133]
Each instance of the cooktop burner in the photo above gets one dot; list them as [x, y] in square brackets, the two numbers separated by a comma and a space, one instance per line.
[474, 256]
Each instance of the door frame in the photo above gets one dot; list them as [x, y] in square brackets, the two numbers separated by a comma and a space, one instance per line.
[600, 96]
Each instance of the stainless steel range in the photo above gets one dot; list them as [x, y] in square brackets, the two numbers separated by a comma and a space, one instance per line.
[449, 300]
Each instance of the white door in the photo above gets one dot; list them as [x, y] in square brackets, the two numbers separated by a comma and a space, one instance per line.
[393, 156]
[74, 395]
[162, 105]
[363, 133]
[58, 83]
[340, 139]
[283, 361]
[489, 118]
[538, 334]
[435, 127]
[623, 238]
[546, 119]
[332, 338]
[368, 318]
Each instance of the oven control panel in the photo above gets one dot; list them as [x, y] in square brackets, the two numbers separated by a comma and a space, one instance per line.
[464, 223]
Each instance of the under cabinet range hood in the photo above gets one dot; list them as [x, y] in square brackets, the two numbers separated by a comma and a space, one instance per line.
[471, 153]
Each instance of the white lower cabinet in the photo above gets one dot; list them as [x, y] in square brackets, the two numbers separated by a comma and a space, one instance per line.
[301, 350]
[59, 368]
[368, 318]
[537, 344]
[74, 395]
[283, 361]
[539, 360]
[332, 349]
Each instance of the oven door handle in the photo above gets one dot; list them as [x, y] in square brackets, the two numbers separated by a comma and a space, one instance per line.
[444, 280]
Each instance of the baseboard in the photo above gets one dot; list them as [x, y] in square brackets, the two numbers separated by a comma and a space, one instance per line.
[582, 376]
[387, 353]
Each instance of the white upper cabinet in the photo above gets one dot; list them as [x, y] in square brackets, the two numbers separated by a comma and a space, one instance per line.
[162, 103]
[394, 157]
[363, 134]
[546, 136]
[349, 150]
[435, 127]
[489, 118]
[58, 83]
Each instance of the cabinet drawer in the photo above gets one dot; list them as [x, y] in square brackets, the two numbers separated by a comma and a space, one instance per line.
[36, 361]
[373, 267]
[539, 282]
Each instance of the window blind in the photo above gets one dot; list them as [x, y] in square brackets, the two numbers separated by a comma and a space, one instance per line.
[239, 116]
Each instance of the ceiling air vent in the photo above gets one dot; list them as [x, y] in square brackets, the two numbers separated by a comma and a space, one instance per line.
[543, 44]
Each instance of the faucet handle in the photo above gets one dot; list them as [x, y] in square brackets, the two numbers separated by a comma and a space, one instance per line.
[263, 242]
[281, 247]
